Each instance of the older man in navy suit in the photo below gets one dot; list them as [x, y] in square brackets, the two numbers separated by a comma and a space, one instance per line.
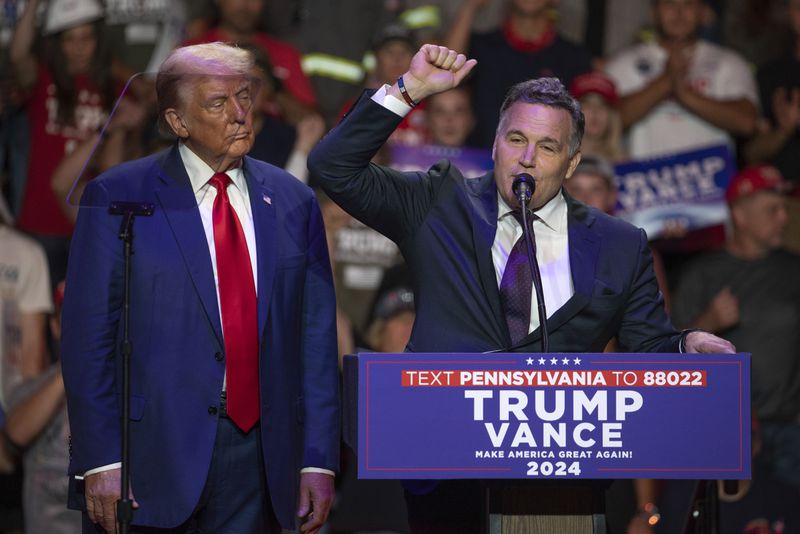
[461, 237]
[234, 404]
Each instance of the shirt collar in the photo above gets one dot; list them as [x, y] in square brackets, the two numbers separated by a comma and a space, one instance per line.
[200, 173]
[552, 214]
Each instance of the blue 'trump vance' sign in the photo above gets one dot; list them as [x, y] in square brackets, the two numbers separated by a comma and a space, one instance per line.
[687, 189]
[562, 416]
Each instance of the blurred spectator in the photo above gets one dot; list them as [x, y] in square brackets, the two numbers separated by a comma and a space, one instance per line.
[750, 293]
[602, 136]
[69, 94]
[778, 140]
[756, 29]
[37, 424]
[432, 19]
[393, 48]
[25, 302]
[142, 33]
[681, 92]
[392, 320]
[333, 36]
[238, 23]
[278, 142]
[14, 146]
[605, 27]
[362, 256]
[593, 183]
[118, 141]
[449, 118]
[527, 46]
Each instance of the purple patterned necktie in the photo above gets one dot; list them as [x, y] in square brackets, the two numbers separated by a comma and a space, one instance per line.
[517, 285]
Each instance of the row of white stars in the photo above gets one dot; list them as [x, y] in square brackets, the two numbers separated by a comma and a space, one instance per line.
[554, 361]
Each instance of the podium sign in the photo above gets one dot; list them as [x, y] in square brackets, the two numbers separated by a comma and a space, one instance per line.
[556, 416]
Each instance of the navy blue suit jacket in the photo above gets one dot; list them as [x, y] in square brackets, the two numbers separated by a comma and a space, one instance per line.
[445, 225]
[175, 326]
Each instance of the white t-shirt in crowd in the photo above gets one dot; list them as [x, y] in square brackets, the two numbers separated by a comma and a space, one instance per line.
[24, 288]
[714, 72]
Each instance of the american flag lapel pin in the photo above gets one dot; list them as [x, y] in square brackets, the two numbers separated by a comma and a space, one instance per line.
[267, 199]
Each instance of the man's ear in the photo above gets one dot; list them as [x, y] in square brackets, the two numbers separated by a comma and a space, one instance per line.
[176, 123]
[573, 163]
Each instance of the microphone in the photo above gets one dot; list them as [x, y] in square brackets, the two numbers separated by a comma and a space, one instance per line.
[523, 188]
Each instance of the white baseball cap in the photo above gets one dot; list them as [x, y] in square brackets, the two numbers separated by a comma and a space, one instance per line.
[65, 14]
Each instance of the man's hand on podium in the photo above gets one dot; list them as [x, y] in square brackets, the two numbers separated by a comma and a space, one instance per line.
[699, 341]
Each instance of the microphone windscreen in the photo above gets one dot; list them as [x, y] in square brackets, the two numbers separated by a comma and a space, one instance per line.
[523, 185]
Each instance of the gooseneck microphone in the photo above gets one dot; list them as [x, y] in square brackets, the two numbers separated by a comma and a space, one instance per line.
[523, 187]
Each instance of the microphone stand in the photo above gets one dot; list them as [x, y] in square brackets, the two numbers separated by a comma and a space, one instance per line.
[128, 210]
[523, 187]
[537, 280]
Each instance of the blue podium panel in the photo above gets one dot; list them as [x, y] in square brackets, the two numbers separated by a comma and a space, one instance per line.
[558, 416]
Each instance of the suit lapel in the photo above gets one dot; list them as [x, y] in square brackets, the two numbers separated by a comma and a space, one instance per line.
[583, 249]
[262, 199]
[180, 208]
[483, 195]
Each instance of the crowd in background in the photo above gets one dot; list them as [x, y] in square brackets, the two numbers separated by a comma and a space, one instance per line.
[654, 78]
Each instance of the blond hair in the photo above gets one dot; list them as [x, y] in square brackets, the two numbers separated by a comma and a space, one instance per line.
[208, 59]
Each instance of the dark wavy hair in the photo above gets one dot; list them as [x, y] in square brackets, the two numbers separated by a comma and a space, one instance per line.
[99, 73]
[552, 93]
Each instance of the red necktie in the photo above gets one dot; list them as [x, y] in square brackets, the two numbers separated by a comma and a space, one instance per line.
[237, 299]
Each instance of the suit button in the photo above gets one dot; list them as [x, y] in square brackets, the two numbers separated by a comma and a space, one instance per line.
[212, 410]
[219, 356]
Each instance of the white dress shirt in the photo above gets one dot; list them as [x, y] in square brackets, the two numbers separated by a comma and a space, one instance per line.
[549, 229]
[199, 174]
[552, 252]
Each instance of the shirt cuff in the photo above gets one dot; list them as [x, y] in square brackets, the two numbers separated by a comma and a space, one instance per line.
[318, 470]
[393, 104]
[109, 467]
[118, 465]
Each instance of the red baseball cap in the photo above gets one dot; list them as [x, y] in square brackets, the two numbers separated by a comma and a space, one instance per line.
[597, 83]
[754, 179]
